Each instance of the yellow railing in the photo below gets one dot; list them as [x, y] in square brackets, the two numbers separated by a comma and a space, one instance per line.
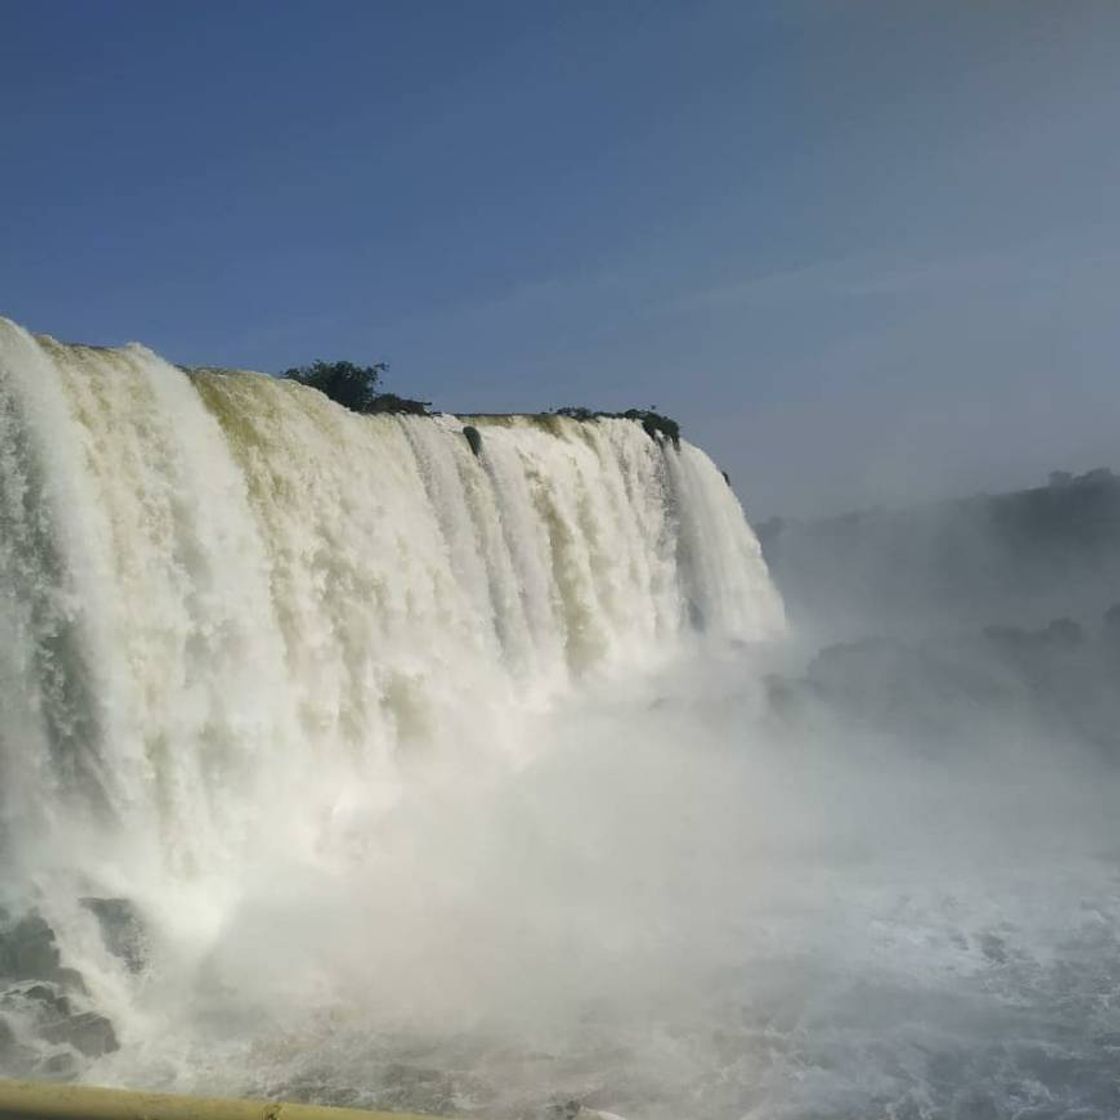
[36, 1100]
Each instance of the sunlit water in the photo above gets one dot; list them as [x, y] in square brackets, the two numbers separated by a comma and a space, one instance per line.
[451, 782]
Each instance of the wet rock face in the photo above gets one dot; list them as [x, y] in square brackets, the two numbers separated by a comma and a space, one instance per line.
[28, 950]
[122, 930]
[474, 438]
[64, 1065]
[47, 1027]
[47, 996]
[89, 1033]
[53, 1035]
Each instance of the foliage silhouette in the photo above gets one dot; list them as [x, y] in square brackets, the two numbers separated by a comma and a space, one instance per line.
[355, 387]
[655, 424]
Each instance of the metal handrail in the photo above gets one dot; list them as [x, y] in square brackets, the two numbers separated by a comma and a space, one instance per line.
[37, 1100]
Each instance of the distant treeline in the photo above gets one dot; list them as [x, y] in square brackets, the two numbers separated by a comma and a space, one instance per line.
[1057, 682]
[1020, 557]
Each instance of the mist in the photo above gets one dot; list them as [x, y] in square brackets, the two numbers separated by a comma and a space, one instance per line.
[681, 903]
[347, 761]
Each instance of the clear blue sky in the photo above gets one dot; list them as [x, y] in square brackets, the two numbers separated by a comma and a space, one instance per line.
[862, 250]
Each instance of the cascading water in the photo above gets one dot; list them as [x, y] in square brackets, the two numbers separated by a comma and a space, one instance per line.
[340, 762]
[237, 623]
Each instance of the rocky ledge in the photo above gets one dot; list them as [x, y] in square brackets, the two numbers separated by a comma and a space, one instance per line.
[49, 1026]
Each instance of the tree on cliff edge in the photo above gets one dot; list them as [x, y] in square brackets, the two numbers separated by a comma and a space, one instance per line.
[354, 387]
[350, 385]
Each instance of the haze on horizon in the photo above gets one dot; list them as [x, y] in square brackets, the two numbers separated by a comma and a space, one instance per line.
[863, 252]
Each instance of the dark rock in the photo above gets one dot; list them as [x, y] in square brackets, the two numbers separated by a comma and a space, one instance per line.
[564, 1110]
[49, 996]
[474, 438]
[90, 1033]
[72, 980]
[390, 402]
[29, 955]
[63, 1066]
[122, 929]
[29, 950]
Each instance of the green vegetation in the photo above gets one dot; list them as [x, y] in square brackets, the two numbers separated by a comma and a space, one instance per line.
[655, 424]
[358, 388]
[355, 387]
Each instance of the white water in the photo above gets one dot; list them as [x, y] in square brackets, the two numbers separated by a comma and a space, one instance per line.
[238, 623]
[224, 592]
[449, 783]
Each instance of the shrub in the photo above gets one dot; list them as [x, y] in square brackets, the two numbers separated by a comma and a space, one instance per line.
[355, 387]
[655, 424]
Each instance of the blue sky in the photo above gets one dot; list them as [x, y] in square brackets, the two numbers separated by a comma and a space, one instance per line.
[864, 251]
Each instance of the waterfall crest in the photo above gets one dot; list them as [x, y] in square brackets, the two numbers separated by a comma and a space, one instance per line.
[221, 591]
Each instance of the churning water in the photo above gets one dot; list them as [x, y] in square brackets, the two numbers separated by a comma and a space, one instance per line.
[448, 781]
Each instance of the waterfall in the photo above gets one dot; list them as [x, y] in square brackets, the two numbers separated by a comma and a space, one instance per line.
[227, 602]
